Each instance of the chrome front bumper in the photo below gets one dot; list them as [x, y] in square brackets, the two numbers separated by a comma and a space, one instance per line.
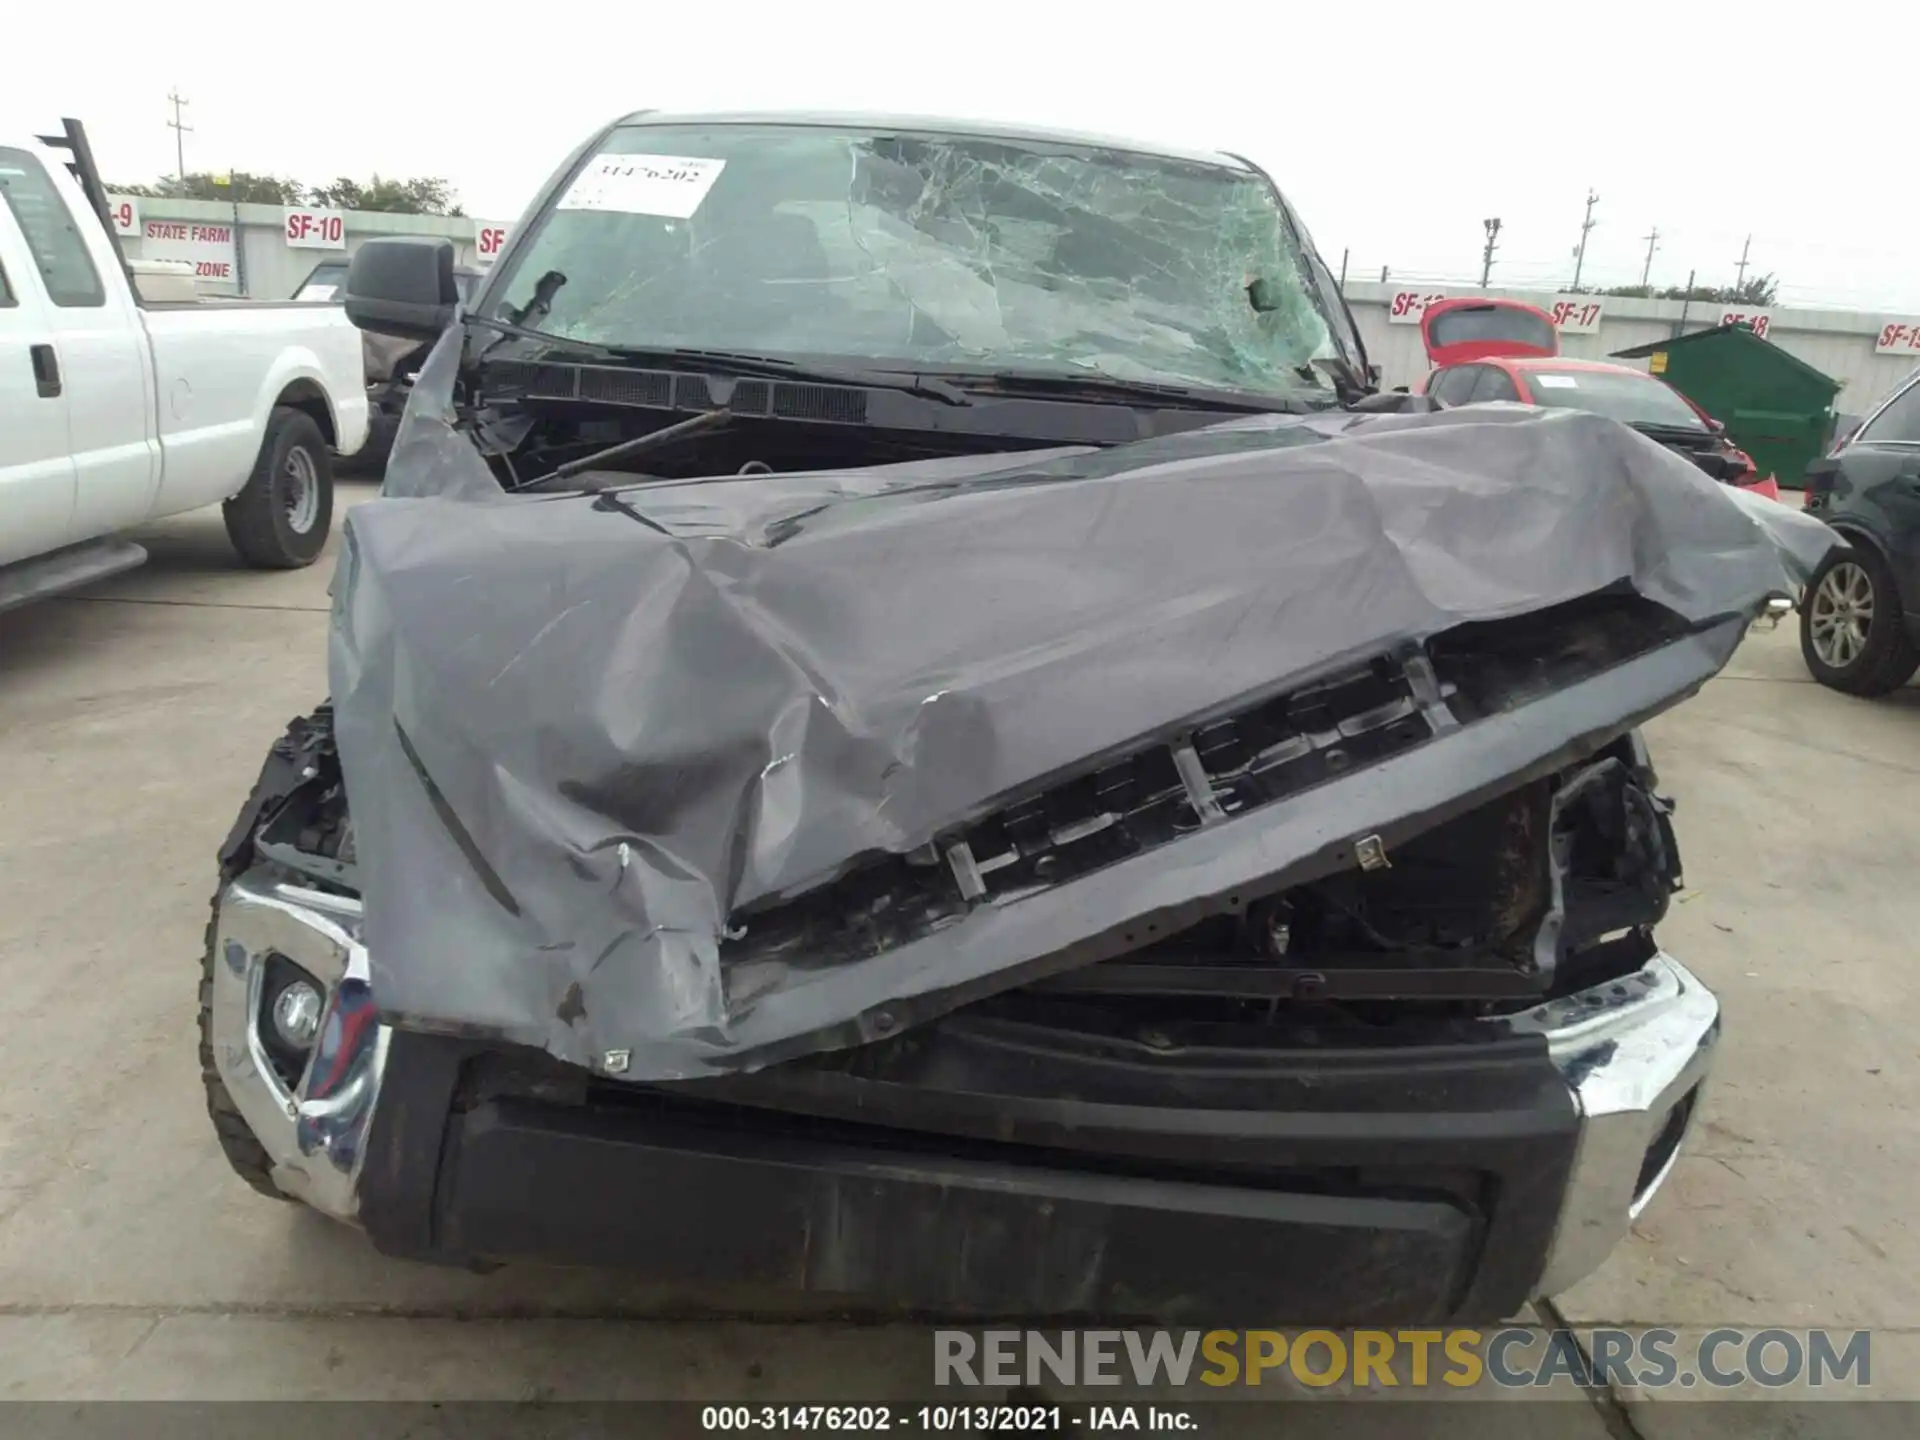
[1632, 1052]
[315, 1130]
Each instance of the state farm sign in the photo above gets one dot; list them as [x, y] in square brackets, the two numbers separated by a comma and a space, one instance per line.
[489, 239]
[208, 247]
[1406, 307]
[1760, 320]
[316, 230]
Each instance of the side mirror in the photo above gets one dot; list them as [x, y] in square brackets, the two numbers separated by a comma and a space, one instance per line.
[1716, 427]
[403, 286]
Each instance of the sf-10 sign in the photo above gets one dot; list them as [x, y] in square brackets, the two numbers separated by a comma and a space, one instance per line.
[316, 230]
[1898, 337]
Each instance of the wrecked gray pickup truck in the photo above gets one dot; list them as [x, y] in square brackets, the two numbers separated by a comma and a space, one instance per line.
[909, 736]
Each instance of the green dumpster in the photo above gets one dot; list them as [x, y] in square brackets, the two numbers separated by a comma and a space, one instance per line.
[1776, 407]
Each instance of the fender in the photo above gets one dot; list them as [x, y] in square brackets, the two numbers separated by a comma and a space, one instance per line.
[299, 378]
[1853, 530]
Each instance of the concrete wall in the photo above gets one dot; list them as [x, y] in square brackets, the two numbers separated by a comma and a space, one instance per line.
[267, 267]
[1840, 343]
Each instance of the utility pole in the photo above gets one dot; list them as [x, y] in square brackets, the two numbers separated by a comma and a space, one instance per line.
[1580, 251]
[1653, 243]
[180, 131]
[1741, 277]
[1492, 228]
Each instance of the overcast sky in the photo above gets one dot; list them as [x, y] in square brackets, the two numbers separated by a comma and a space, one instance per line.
[1394, 129]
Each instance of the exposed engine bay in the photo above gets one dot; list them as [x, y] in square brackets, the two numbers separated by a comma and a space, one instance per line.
[1550, 887]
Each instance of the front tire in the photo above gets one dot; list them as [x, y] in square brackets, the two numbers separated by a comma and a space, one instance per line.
[281, 518]
[1853, 634]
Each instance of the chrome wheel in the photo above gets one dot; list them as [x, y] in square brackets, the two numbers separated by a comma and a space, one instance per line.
[303, 491]
[1841, 614]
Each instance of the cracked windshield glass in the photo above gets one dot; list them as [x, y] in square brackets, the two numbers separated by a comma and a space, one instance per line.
[930, 250]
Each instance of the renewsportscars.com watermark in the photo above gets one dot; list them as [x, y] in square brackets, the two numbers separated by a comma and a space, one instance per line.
[1512, 1358]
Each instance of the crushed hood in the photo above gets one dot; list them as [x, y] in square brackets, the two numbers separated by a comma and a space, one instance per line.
[582, 736]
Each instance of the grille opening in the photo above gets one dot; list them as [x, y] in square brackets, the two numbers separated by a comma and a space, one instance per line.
[1270, 750]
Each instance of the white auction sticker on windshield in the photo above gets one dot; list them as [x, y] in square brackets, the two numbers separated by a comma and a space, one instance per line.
[1557, 382]
[668, 185]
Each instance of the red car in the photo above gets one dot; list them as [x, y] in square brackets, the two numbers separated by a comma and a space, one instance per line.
[1485, 350]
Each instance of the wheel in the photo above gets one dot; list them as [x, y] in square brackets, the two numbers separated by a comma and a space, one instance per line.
[280, 520]
[244, 1153]
[1852, 632]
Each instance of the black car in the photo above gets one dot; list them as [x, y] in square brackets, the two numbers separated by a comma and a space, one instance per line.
[1860, 618]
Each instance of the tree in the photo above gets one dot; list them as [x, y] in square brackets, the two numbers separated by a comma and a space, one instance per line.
[420, 196]
[1758, 290]
[238, 187]
[424, 196]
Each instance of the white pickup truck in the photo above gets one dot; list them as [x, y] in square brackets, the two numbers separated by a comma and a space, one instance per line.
[115, 411]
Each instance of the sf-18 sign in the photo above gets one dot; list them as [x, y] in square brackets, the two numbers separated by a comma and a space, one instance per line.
[316, 230]
[1760, 320]
[1898, 337]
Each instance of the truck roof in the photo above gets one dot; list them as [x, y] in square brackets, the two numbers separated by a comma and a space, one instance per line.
[934, 125]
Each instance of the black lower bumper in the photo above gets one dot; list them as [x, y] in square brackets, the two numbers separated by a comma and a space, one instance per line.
[1419, 1186]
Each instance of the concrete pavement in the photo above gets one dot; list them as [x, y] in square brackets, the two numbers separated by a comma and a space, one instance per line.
[133, 718]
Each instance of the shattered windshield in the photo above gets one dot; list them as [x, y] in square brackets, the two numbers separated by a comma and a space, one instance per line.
[932, 250]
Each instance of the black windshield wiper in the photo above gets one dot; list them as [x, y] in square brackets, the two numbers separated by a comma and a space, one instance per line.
[734, 363]
[506, 329]
[1109, 389]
